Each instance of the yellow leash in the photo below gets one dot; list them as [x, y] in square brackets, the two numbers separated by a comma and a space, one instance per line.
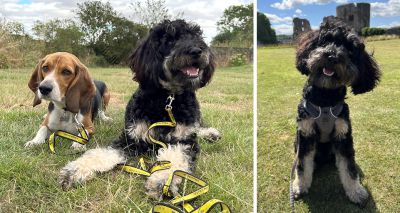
[161, 165]
[83, 139]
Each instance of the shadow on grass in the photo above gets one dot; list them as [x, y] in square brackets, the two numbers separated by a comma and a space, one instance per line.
[327, 194]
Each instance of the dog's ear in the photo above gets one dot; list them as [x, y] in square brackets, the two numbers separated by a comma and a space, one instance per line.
[369, 74]
[306, 44]
[208, 72]
[35, 80]
[81, 91]
[145, 63]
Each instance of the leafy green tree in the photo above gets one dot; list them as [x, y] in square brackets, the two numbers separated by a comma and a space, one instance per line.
[110, 36]
[96, 19]
[265, 34]
[60, 35]
[235, 25]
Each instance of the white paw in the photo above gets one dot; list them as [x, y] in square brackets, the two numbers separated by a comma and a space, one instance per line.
[156, 181]
[299, 188]
[33, 143]
[358, 195]
[65, 178]
[210, 134]
[78, 146]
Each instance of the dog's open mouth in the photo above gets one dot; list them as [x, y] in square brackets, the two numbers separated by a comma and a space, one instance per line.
[328, 72]
[191, 72]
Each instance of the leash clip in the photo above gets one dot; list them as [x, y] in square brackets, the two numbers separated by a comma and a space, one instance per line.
[77, 122]
[170, 99]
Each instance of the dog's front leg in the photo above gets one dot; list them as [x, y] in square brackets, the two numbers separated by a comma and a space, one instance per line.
[40, 137]
[207, 133]
[182, 157]
[346, 164]
[305, 150]
[85, 167]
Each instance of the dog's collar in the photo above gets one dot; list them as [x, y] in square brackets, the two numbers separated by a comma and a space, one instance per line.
[316, 111]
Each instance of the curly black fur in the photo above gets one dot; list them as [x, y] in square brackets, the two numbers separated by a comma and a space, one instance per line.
[159, 64]
[332, 57]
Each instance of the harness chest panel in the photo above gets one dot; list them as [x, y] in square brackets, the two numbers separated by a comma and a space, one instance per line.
[324, 117]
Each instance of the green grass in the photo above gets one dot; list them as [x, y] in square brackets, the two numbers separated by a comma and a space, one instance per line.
[375, 120]
[28, 177]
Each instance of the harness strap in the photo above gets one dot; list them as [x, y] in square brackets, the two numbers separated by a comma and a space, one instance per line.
[83, 139]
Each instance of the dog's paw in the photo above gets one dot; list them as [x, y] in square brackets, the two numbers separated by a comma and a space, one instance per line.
[359, 195]
[33, 143]
[65, 178]
[299, 188]
[78, 147]
[155, 183]
[209, 134]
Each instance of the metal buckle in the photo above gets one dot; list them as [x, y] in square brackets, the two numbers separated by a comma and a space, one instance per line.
[170, 99]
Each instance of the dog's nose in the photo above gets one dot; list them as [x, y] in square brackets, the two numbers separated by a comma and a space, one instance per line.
[195, 52]
[45, 89]
[332, 58]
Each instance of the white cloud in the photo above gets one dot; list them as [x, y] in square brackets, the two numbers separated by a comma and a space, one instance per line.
[392, 24]
[275, 19]
[298, 11]
[204, 12]
[390, 8]
[283, 29]
[290, 4]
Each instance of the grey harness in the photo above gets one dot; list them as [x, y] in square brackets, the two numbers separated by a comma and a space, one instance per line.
[325, 117]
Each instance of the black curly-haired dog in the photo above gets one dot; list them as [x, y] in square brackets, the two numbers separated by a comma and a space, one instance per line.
[172, 60]
[333, 58]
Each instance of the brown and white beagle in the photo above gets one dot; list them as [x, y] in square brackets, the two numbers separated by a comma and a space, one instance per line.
[64, 81]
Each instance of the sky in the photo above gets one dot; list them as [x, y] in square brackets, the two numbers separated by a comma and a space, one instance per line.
[206, 13]
[384, 13]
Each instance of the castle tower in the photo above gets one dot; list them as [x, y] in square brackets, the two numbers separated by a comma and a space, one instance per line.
[355, 15]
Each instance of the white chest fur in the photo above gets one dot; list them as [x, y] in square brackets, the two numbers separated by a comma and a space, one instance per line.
[59, 119]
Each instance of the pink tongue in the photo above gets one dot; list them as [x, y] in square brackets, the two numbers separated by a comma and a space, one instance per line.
[191, 71]
[328, 72]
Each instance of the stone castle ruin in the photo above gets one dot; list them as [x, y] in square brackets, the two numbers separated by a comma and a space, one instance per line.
[355, 15]
[300, 26]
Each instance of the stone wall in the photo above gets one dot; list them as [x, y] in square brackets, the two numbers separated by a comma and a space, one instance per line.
[355, 15]
[300, 26]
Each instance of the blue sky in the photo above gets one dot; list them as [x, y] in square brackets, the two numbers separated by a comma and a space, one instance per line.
[384, 13]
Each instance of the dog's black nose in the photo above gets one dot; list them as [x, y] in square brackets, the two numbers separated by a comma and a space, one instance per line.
[195, 52]
[45, 89]
[332, 58]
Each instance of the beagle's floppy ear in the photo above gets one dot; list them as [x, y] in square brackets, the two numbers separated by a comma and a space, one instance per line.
[81, 91]
[34, 82]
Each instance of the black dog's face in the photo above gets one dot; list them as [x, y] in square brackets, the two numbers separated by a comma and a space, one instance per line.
[175, 57]
[334, 56]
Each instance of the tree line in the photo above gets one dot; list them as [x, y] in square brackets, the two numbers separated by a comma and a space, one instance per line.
[100, 36]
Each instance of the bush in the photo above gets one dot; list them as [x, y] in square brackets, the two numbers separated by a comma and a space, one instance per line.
[237, 60]
[367, 31]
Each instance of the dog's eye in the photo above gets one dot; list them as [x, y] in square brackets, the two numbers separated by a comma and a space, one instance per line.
[66, 72]
[45, 68]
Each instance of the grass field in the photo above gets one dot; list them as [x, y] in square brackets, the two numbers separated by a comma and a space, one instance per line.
[375, 120]
[28, 177]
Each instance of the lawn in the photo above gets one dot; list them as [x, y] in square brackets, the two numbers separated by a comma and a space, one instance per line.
[28, 177]
[375, 120]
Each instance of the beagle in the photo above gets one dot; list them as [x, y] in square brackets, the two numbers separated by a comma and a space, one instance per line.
[64, 81]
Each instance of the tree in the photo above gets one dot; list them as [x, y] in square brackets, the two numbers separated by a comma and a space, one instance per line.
[96, 19]
[236, 24]
[152, 12]
[60, 35]
[265, 34]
